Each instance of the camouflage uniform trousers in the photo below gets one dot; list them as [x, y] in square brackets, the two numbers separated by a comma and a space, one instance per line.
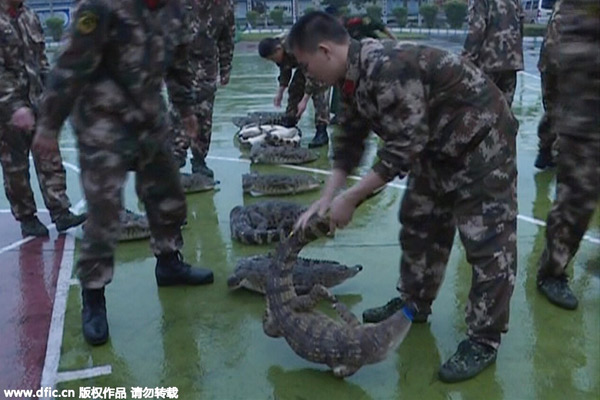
[107, 150]
[506, 82]
[483, 205]
[14, 156]
[546, 128]
[180, 141]
[319, 98]
[578, 129]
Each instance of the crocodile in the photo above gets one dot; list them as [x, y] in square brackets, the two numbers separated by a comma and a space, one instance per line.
[251, 273]
[264, 222]
[278, 184]
[345, 346]
[263, 154]
[262, 117]
[133, 226]
[193, 183]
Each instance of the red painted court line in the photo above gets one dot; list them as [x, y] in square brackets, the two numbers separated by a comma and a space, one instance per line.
[28, 276]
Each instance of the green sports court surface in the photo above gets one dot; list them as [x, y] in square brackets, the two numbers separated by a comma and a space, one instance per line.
[208, 342]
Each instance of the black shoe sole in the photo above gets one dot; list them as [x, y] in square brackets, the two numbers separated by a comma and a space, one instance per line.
[164, 282]
[96, 342]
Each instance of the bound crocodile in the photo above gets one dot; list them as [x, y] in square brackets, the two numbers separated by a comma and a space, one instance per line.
[278, 184]
[346, 345]
[264, 222]
[262, 154]
[261, 117]
[251, 273]
[194, 183]
[133, 226]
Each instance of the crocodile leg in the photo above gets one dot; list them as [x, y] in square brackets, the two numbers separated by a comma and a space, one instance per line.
[308, 301]
[346, 315]
[269, 326]
[342, 371]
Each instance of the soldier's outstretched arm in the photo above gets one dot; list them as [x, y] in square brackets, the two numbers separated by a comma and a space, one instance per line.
[226, 43]
[402, 105]
[349, 143]
[478, 11]
[180, 74]
[41, 52]
[78, 60]
[10, 91]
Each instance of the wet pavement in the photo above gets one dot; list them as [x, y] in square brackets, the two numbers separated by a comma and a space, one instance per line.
[208, 342]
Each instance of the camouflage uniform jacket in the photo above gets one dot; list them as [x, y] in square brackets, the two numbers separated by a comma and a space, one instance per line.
[23, 62]
[287, 66]
[495, 39]
[548, 56]
[213, 27]
[416, 99]
[114, 61]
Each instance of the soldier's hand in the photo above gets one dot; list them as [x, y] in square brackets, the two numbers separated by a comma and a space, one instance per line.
[277, 99]
[23, 119]
[318, 207]
[341, 211]
[224, 79]
[190, 124]
[43, 146]
[302, 107]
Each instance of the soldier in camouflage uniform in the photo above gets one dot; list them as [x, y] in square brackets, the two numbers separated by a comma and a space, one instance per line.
[548, 67]
[441, 119]
[109, 77]
[300, 88]
[495, 41]
[213, 28]
[23, 69]
[578, 162]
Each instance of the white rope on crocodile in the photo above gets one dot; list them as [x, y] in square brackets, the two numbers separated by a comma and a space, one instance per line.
[275, 135]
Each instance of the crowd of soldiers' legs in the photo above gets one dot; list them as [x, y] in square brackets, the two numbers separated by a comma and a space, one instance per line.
[121, 122]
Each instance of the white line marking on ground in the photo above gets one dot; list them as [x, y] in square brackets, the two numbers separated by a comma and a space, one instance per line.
[529, 74]
[83, 373]
[525, 218]
[16, 244]
[55, 334]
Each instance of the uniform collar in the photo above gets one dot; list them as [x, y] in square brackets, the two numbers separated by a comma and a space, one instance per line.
[154, 4]
[14, 11]
[352, 68]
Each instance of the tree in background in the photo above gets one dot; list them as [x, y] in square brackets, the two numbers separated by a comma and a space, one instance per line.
[55, 26]
[252, 17]
[308, 10]
[456, 12]
[429, 13]
[401, 15]
[374, 12]
[276, 16]
[336, 3]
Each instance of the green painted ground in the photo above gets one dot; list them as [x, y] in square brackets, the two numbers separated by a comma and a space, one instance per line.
[209, 342]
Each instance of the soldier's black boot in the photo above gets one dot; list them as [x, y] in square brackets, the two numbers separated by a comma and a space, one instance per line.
[378, 314]
[93, 316]
[469, 360]
[321, 137]
[557, 290]
[172, 270]
[68, 220]
[199, 167]
[289, 121]
[544, 159]
[31, 226]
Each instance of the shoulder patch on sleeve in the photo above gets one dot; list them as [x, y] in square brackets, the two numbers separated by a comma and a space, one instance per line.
[87, 22]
